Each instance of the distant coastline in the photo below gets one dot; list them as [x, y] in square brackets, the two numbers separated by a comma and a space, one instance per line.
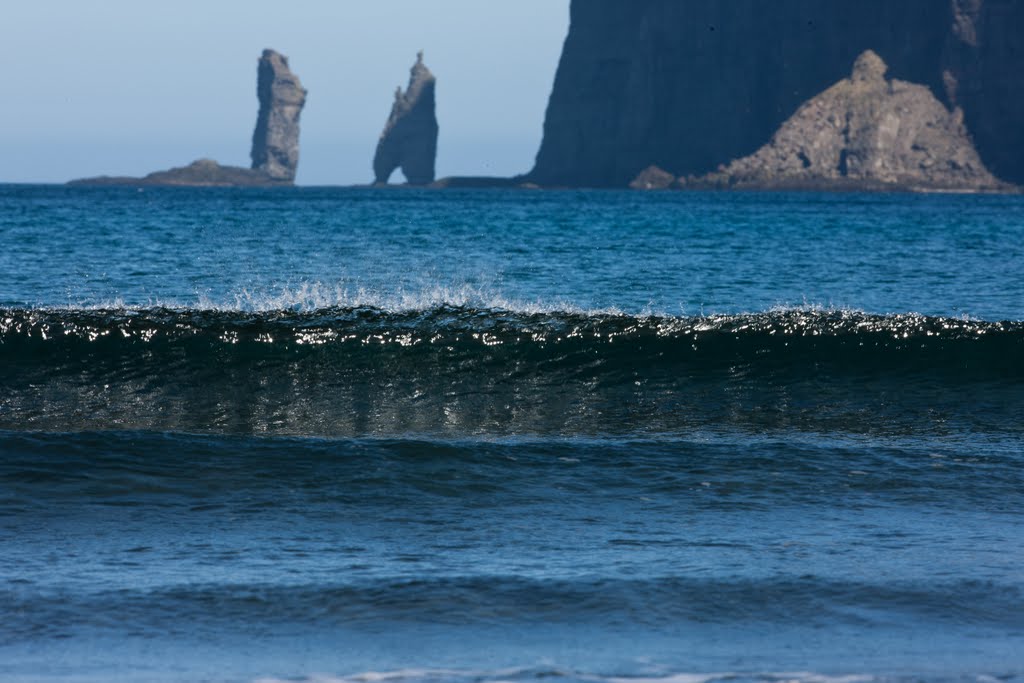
[947, 118]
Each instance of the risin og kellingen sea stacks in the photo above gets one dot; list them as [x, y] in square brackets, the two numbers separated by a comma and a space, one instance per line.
[275, 141]
[409, 139]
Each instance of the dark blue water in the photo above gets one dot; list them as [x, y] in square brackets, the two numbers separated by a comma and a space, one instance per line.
[471, 437]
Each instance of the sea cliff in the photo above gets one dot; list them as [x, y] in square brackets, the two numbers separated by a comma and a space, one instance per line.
[691, 85]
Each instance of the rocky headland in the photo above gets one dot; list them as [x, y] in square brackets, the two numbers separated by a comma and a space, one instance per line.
[275, 141]
[409, 139]
[691, 86]
[864, 132]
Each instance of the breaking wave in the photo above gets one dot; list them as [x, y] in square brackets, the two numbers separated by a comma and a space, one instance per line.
[458, 369]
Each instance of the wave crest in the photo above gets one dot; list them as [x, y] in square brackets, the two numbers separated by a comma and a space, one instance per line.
[458, 369]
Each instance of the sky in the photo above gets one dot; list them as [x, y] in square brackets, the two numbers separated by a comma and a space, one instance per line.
[126, 87]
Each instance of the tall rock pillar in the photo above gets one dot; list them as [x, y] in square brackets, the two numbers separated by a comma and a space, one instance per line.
[409, 139]
[275, 142]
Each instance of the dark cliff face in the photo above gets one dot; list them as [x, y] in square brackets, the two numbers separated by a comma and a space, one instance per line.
[688, 85]
[985, 77]
[409, 139]
[275, 141]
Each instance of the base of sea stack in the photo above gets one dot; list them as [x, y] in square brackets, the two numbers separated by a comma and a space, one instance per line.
[200, 173]
[461, 183]
[475, 182]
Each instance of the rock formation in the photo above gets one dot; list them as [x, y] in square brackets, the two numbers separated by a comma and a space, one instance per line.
[409, 139]
[688, 85]
[200, 173]
[653, 178]
[865, 132]
[275, 142]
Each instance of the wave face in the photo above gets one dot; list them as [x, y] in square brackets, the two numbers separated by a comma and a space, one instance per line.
[456, 370]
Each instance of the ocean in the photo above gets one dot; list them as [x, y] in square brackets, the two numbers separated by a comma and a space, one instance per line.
[411, 436]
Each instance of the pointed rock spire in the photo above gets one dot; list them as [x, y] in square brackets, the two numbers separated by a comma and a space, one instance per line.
[409, 139]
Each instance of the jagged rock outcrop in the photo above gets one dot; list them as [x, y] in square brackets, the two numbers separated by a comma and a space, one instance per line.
[688, 85]
[275, 141]
[865, 132]
[409, 139]
[653, 178]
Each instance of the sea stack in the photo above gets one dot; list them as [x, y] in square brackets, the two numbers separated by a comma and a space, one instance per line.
[866, 132]
[275, 142]
[409, 139]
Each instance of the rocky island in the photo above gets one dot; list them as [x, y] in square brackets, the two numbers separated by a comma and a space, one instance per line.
[409, 139]
[275, 141]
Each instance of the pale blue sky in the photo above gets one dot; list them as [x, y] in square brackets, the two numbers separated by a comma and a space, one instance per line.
[132, 86]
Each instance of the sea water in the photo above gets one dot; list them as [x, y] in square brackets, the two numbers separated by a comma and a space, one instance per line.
[479, 436]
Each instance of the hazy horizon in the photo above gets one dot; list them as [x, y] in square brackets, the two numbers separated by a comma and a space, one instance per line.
[129, 89]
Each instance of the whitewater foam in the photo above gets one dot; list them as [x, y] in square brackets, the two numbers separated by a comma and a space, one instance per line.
[309, 297]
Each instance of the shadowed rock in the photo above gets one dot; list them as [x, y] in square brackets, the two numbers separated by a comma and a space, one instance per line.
[275, 142]
[866, 132]
[409, 139]
[652, 178]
